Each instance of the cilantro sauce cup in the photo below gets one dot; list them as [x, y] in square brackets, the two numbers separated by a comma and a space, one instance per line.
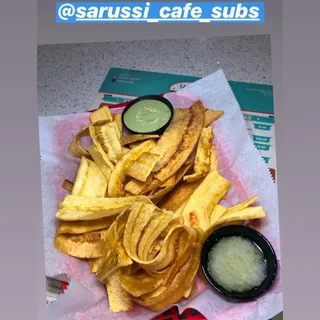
[238, 262]
[149, 114]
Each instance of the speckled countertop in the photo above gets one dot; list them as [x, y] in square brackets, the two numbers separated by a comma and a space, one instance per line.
[70, 75]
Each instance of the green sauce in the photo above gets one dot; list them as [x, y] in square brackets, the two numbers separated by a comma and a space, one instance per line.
[147, 116]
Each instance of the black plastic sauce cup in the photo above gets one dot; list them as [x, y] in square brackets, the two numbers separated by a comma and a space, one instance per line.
[149, 97]
[255, 237]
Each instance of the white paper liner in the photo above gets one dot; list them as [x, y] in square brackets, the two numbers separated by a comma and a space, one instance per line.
[241, 164]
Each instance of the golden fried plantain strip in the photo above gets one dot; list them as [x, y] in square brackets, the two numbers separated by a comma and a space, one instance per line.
[139, 284]
[169, 183]
[142, 167]
[150, 187]
[203, 153]
[119, 299]
[117, 177]
[75, 148]
[217, 212]
[101, 114]
[232, 223]
[90, 181]
[139, 222]
[94, 264]
[130, 139]
[187, 144]
[79, 227]
[157, 196]
[200, 204]
[214, 162]
[141, 215]
[190, 291]
[166, 253]
[136, 187]
[140, 218]
[75, 208]
[67, 185]
[155, 228]
[182, 278]
[88, 245]
[249, 213]
[101, 159]
[168, 143]
[179, 210]
[114, 238]
[117, 119]
[109, 137]
[106, 267]
[179, 194]
[212, 115]
[243, 204]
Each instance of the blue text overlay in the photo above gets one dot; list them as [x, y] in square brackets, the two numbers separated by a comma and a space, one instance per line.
[160, 12]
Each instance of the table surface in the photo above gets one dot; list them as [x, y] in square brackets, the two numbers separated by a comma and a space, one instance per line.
[70, 75]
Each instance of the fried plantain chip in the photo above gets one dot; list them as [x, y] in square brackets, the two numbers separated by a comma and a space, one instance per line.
[203, 153]
[249, 213]
[211, 115]
[107, 267]
[135, 144]
[232, 223]
[217, 212]
[131, 269]
[176, 289]
[202, 161]
[114, 238]
[179, 194]
[167, 252]
[117, 119]
[76, 149]
[88, 245]
[150, 187]
[130, 139]
[79, 227]
[142, 218]
[155, 228]
[169, 183]
[136, 187]
[119, 299]
[179, 210]
[187, 144]
[94, 264]
[139, 284]
[168, 143]
[101, 114]
[67, 185]
[90, 181]
[142, 167]
[197, 211]
[243, 204]
[101, 159]
[190, 291]
[109, 137]
[214, 162]
[139, 218]
[117, 177]
[157, 196]
[75, 208]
